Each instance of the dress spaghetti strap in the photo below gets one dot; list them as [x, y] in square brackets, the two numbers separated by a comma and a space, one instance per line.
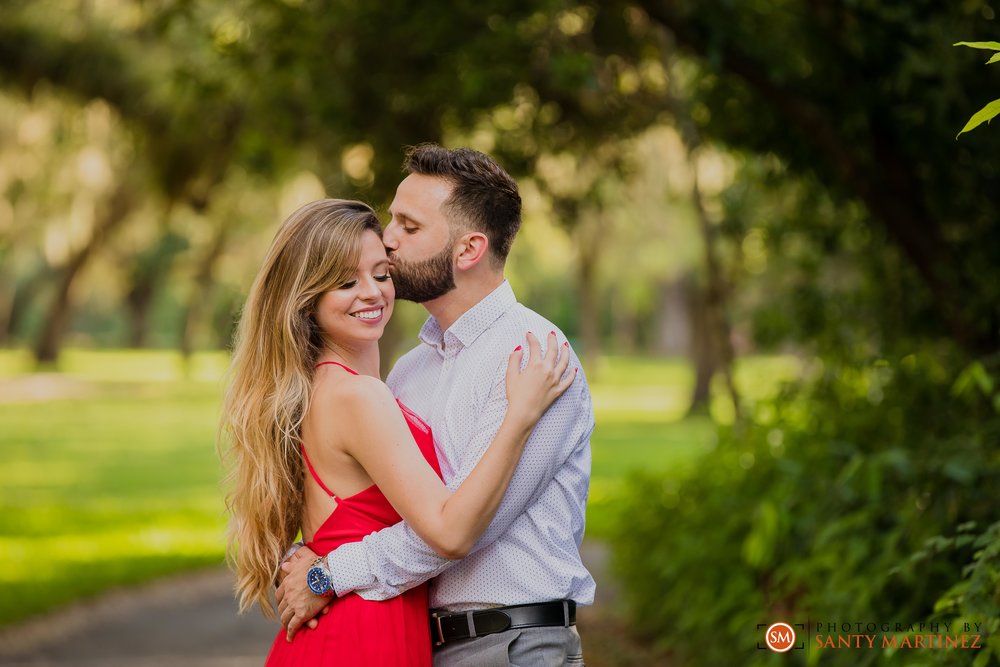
[337, 363]
[302, 448]
[312, 471]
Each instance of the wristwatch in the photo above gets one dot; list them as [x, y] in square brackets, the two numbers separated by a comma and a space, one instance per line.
[318, 579]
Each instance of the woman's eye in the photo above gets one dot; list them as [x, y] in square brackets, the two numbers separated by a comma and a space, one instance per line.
[382, 278]
[349, 284]
[410, 230]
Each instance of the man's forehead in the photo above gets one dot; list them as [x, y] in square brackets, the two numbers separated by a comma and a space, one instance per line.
[419, 191]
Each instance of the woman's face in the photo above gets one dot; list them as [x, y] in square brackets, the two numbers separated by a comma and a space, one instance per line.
[357, 311]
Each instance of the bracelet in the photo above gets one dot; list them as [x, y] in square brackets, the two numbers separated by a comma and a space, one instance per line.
[284, 559]
[291, 550]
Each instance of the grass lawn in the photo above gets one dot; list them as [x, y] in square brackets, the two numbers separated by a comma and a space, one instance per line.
[111, 481]
[110, 475]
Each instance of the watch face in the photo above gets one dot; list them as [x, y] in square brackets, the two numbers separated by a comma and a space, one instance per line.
[318, 582]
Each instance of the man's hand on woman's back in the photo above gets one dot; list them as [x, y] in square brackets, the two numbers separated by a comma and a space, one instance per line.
[297, 605]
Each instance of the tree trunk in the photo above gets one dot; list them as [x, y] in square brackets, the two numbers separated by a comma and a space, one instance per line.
[588, 245]
[8, 291]
[625, 334]
[714, 339]
[703, 353]
[673, 335]
[24, 294]
[112, 215]
[148, 274]
[137, 306]
[590, 329]
[202, 291]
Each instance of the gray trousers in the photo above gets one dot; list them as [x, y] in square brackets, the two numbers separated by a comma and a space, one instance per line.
[528, 647]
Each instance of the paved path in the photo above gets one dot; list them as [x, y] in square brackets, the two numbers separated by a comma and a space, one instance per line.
[191, 620]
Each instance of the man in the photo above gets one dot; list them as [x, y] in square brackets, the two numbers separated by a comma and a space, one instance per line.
[514, 596]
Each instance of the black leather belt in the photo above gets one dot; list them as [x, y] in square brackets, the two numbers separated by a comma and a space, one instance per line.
[449, 626]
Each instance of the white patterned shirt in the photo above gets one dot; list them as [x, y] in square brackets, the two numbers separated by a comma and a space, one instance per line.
[456, 381]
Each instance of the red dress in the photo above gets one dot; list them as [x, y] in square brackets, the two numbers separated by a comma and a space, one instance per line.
[356, 631]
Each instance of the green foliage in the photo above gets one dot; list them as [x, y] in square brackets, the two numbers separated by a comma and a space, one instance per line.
[815, 275]
[984, 115]
[864, 96]
[987, 46]
[975, 598]
[811, 511]
[987, 113]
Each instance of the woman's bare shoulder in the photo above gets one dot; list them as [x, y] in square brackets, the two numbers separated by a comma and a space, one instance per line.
[351, 394]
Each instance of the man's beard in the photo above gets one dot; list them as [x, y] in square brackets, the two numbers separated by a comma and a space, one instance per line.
[425, 280]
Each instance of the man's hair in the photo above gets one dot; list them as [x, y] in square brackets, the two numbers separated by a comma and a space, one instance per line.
[485, 197]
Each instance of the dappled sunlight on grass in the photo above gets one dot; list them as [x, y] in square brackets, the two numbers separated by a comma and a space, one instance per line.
[79, 549]
[14, 362]
[35, 474]
[122, 365]
[652, 403]
[121, 483]
[756, 378]
[131, 365]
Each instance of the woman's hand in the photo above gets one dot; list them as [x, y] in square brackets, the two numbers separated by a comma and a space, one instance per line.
[532, 390]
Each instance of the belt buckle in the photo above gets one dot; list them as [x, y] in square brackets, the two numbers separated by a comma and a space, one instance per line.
[440, 631]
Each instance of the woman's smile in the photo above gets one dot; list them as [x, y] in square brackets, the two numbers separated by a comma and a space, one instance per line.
[373, 315]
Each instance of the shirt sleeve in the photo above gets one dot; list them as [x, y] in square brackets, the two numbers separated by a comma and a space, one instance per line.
[394, 559]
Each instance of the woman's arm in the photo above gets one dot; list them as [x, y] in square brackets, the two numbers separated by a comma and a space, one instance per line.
[380, 440]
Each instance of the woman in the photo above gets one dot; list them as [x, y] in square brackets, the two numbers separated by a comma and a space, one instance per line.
[318, 443]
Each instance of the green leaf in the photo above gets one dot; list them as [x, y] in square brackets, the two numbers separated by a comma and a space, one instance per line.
[985, 46]
[983, 115]
[994, 59]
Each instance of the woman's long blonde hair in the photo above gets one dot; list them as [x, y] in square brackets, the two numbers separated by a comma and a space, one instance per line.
[277, 344]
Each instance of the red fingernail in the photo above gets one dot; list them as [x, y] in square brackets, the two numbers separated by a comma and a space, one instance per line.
[517, 348]
[566, 344]
[552, 333]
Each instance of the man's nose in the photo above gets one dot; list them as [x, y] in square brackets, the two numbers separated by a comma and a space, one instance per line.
[389, 238]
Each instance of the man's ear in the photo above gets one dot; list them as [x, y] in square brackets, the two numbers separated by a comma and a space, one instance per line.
[471, 249]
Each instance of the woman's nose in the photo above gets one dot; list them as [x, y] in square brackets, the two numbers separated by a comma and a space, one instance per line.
[369, 289]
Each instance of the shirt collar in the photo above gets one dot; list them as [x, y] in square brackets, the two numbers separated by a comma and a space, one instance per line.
[431, 332]
[474, 321]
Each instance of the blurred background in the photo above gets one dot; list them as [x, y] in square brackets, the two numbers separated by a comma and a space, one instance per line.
[753, 219]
